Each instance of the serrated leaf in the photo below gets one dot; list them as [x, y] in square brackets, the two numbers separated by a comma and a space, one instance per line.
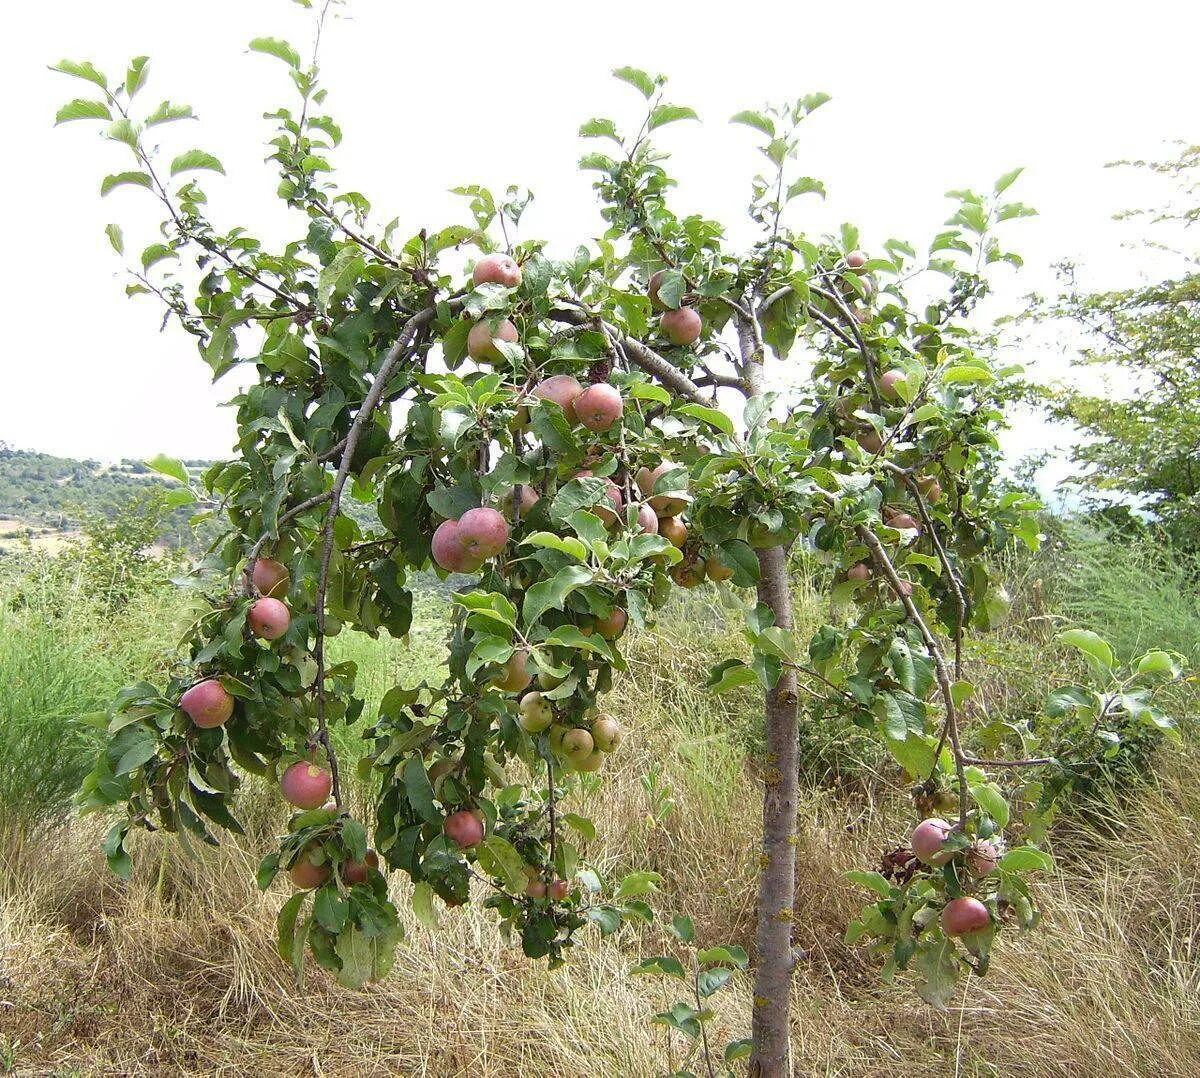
[1027, 859]
[598, 127]
[636, 78]
[498, 857]
[167, 113]
[1094, 647]
[664, 964]
[121, 179]
[730, 953]
[165, 465]
[82, 109]
[806, 185]
[193, 160]
[873, 881]
[115, 237]
[1007, 180]
[713, 417]
[423, 905]
[156, 252]
[758, 120]
[135, 77]
[80, 69]
[661, 115]
[277, 47]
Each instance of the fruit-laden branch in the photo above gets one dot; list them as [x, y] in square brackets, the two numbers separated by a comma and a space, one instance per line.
[640, 354]
[903, 593]
[399, 351]
[284, 518]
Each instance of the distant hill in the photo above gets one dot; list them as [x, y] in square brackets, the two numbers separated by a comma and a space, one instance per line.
[44, 495]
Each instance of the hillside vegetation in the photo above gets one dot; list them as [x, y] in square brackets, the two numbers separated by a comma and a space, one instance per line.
[176, 971]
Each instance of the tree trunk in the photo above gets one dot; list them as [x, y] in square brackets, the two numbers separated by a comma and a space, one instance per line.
[771, 1056]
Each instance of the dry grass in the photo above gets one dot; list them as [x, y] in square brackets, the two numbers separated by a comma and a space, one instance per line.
[176, 972]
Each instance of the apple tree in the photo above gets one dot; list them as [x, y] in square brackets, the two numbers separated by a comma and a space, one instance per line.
[574, 431]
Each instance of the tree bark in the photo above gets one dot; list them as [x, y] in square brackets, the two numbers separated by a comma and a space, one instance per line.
[769, 1024]
[770, 1031]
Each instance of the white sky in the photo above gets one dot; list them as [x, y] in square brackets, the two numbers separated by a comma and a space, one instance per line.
[927, 96]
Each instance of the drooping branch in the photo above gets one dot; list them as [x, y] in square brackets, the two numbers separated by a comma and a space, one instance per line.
[640, 354]
[399, 350]
[871, 540]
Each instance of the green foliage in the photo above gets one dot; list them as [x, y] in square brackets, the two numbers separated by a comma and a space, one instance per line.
[1139, 444]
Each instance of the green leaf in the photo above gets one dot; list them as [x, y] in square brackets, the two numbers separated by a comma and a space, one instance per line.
[1007, 180]
[419, 792]
[662, 115]
[739, 1049]
[82, 109]
[989, 797]
[423, 907]
[664, 964]
[498, 857]
[1093, 647]
[568, 545]
[156, 252]
[713, 417]
[121, 179]
[366, 958]
[806, 185]
[165, 465]
[599, 128]
[1158, 662]
[551, 594]
[636, 78]
[711, 980]
[683, 928]
[758, 120]
[330, 909]
[641, 882]
[582, 824]
[966, 373]
[873, 881]
[273, 46]
[285, 925]
[122, 130]
[1026, 859]
[167, 113]
[730, 953]
[135, 77]
[115, 237]
[81, 69]
[728, 675]
[196, 159]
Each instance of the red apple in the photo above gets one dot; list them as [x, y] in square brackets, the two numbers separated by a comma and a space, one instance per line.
[449, 551]
[688, 573]
[482, 532]
[928, 841]
[207, 704]
[529, 498]
[497, 269]
[464, 828]
[304, 874]
[270, 577]
[558, 890]
[647, 519]
[888, 382]
[269, 618]
[665, 505]
[599, 406]
[964, 915]
[982, 858]
[655, 283]
[613, 624]
[859, 571]
[481, 340]
[930, 488]
[856, 260]
[682, 326]
[306, 785]
[562, 389]
[902, 521]
[514, 675]
[536, 887]
[870, 441]
[357, 871]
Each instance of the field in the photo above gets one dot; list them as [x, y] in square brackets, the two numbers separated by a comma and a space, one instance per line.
[176, 971]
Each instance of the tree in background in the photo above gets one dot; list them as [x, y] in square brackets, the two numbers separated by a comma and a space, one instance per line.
[1143, 442]
[575, 437]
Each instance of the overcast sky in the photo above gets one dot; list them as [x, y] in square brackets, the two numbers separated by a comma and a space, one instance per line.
[927, 96]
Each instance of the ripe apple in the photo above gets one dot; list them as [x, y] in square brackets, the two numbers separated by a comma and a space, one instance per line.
[577, 745]
[464, 828]
[356, 871]
[856, 260]
[599, 406]
[482, 532]
[904, 588]
[269, 618]
[665, 505]
[536, 887]
[716, 570]
[536, 712]
[612, 624]
[449, 551]
[870, 441]
[930, 488]
[497, 269]
[902, 521]
[888, 381]
[481, 340]
[304, 874]
[964, 915]
[270, 577]
[928, 841]
[674, 530]
[562, 389]
[558, 890]
[613, 493]
[859, 571]
[207, 704]
[529, 498]
[682, 326]
[306, 785]
[647, 519]
[606, 733]
[514, 675]
[981, 857]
